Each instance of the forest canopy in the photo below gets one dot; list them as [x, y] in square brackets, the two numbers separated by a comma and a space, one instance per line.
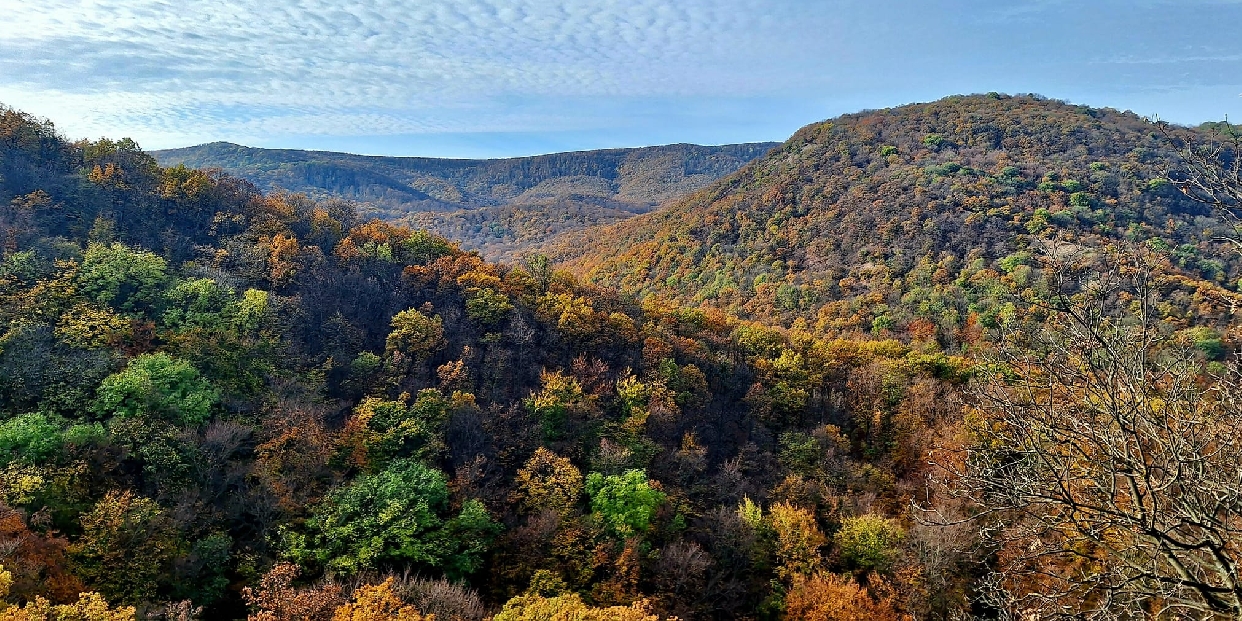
[217, 402]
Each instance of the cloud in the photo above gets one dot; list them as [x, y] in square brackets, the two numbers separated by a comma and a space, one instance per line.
[372, 66]
[170, 72]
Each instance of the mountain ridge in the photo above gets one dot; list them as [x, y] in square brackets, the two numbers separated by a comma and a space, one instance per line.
[437, 193]
[845, 212]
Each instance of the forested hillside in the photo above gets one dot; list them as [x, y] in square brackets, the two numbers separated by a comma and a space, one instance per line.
[875, 219]
[201, 384]
[500, 207]
[220, 403]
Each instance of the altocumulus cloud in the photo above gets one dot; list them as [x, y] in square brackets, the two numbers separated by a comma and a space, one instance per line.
[301, 72]
[176, 70]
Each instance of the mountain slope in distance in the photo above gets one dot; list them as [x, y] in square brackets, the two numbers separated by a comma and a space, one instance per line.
[876, 219]
[497, 206]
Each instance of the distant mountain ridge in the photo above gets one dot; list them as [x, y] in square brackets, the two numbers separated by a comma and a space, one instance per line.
[599, 186]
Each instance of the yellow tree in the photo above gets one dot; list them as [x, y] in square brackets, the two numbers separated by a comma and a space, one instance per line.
[378, 602]
[89, 607]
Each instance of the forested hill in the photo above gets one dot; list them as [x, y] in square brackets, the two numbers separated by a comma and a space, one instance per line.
[497, 206]
[878, 218]
[262, 405]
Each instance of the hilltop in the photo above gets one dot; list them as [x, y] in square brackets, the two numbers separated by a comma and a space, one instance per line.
[875, 219]
[499, 206]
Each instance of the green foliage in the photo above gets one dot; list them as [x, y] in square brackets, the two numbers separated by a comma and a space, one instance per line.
[868, 542]
[202, 574]
[423, 247]
[388, 430]
[392, 518]
[366, 364]
[31, 438]
[626, 503]
[252, 309]
[125, 279]
[800, 452]
[1080, 199]
[559, 396]
[1011, 262]
[1207, 341]
[487, 306]
[200, 303]
[125, 547]
[415, 334]
[320, 453]
[157, 386]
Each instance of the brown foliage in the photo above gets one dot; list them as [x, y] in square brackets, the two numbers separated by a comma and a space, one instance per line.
[37, 561]
[829, 597]
[277, 599]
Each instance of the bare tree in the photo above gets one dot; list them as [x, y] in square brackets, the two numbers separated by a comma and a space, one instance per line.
[1104, 459]
[1211, 172]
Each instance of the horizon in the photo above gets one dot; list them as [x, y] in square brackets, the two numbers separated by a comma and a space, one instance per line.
[484, 79]
[642, 146]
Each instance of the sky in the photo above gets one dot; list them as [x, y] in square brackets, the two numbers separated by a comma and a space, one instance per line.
[495, 78]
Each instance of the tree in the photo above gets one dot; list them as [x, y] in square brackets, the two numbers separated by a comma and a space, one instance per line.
[385, 430]
[570, 607]
[377, 602]
[200, 303]
[157, 386]
[88, 607]
[868, 542]
[125, 547]
[829, 597]
[560, 396]
[626, 502]
[1211, 171]
[276, 599]
[798, 540]
[1104, 459]
[549, 482]
[415, 334]
[396, 516]
[124, 279]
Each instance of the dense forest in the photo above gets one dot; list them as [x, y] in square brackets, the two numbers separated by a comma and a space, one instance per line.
[879, 218]
[221, 403]
[501, 207]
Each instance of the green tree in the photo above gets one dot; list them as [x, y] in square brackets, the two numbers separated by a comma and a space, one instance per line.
[122, 278]
[29, 437]
[626, 502]
[159, 386]
[868, 542]
[487, 306]
[394, 517]
[415, 334]
[384, 430]
[200, 303]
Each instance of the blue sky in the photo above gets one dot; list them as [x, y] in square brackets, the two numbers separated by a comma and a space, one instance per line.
[488, 78]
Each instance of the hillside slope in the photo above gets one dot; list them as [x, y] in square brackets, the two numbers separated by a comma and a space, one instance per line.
[201, 384]
[874, 219]
[600, 187]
